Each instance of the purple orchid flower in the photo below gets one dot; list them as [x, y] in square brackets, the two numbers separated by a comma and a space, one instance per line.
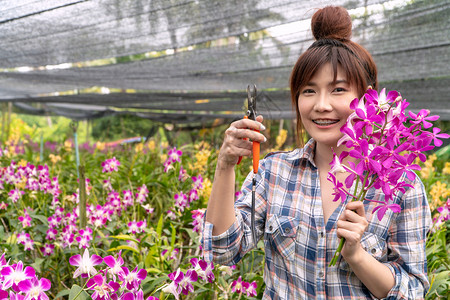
[436, 137]
[34, 289]
[203, 269]
[384, 148]
[351, 134]
[48, 249]
[392, 154]
[250, 289]
[422, 118]
[85, 264]
[3, 295]
[236, 286]
[366, 110]
[339, 191]
[138, 296]
[184, 282]
[14, 296]
[173, 289]
[181, 201]
[417, 149]
[110, 165]
[174, 155]
[336, 164]
[381, 99]
[102, 289]
[132, 280]
[381, 210]
[14, 274]
[197, 182]
[193, 195]
[368, 158]
[115, 265]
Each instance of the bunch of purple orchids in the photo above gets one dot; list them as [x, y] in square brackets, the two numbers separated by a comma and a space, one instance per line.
[385, 143]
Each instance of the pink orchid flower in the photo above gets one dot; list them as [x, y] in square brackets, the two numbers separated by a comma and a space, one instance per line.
[85, 264]
[203, 269]
[34, 289]
[115, 265]
[132, 280]
[14, 274]
[102, 289]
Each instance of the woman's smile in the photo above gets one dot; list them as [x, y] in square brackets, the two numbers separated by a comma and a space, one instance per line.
[324, 104]
[325, 123]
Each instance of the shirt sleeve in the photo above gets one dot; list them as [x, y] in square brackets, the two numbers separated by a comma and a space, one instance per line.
[407, 258]
[229, 247]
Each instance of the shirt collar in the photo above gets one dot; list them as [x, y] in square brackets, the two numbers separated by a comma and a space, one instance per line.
[305, 153]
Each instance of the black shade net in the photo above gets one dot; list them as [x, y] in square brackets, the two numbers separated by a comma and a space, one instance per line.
[191, 61]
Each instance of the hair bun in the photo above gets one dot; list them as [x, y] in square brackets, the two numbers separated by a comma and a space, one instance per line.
[331, 22]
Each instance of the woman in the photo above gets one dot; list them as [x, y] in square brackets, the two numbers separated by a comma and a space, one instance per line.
[295, 213]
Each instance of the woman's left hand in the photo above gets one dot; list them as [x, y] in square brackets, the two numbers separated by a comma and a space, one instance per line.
[351, 225]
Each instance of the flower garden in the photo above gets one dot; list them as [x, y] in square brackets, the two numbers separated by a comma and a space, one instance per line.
[125, 222]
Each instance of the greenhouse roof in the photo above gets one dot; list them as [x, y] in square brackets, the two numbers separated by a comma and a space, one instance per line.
[191, 60]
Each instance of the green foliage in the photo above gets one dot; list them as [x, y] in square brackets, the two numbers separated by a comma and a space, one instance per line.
[56, 129]
[118, 127]
[155, 247]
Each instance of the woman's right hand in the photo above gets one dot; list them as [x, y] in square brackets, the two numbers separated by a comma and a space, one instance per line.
[235, 145]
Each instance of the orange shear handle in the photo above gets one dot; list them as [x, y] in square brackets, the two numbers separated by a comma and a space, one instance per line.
[256, 153]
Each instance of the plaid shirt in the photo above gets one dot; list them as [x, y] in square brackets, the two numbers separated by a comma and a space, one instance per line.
[299, 245]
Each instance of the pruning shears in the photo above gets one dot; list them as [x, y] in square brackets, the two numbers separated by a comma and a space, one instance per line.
[251, 114]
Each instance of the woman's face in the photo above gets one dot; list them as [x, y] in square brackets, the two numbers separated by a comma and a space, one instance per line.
[324, 106]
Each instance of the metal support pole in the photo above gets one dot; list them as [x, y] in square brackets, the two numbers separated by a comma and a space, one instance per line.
[74, 126]
[41, 156]
[82, 207]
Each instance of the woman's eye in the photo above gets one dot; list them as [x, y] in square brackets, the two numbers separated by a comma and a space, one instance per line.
[339, 90]
[308, 91]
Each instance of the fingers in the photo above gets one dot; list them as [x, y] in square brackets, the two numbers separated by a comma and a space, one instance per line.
[350, 236]
[240, 134]
[247, 129]
[356, 206]
[249, 124]
[239, 138]
[352, 222]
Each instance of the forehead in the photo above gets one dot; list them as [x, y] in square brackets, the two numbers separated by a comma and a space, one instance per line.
[328, 74]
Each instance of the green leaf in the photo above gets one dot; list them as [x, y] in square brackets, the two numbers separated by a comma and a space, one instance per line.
[153, 270]
[154, 283]
[440, 279]
[149, 260]
[123, 247]
[37, 264]
[41, 218]
[125, 237]
[62, 294]
[174, 235]
[159, 227]
[76, 292]
[12, 239]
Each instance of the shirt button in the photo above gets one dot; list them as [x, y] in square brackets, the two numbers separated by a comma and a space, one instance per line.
[322, 234]
[321, 274]
[287, 230]
[270, 227]
[373, 250]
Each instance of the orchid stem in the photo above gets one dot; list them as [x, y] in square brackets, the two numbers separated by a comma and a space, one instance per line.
[82, 289]
[337, 253]
[361, 196]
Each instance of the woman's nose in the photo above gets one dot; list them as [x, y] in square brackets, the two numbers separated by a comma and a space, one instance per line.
[322, 103]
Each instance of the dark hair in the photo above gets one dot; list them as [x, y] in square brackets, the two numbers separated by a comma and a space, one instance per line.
[332, 28]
